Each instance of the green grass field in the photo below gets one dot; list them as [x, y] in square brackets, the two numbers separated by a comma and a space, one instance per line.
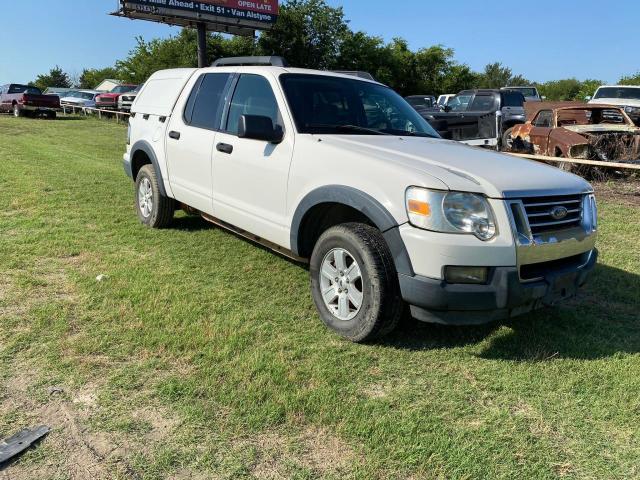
[200, 355]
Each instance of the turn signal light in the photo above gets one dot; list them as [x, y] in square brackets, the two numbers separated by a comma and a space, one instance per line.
[418, 207]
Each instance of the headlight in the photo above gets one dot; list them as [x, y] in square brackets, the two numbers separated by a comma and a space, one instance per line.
[451, 212]
[632, 109]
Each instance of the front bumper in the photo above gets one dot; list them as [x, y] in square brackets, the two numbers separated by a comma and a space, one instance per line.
[505, 295]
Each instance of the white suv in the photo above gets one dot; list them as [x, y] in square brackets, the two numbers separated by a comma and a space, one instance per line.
[342, 173]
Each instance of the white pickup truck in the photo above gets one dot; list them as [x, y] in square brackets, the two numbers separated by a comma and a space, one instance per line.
[342, 173]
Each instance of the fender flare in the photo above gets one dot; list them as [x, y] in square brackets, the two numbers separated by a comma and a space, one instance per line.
[144, 146]
[365, 204]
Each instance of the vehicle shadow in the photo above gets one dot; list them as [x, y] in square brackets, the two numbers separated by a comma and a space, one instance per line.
[603, 320]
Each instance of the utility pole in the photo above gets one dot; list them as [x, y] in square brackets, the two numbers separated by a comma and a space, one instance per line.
[202, 45]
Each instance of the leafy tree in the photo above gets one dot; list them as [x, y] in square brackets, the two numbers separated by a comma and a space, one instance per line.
[457, 78]
[55, 78]
[92, 77]
[630, 80]
[495, 75]
[588, 88]
[561, 90]
[308, 33]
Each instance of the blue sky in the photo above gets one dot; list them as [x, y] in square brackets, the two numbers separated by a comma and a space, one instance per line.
[543, 40]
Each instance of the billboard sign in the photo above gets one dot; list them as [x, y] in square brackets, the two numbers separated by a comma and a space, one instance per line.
[233, 16]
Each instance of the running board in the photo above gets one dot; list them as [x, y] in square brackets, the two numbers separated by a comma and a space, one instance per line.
[253, 238]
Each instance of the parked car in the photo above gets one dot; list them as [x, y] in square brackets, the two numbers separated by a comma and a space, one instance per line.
[530, 93]
[423, 103]
[344, 174]
[480, 117]
[589, 132]
[626, 96]
[443, 100]
[81, 99]
[109, 101]
[126, 99]
[24, 100]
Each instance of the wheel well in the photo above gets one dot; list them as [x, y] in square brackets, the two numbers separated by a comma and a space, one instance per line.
[558, 152]
[139, 160]
[322, 217]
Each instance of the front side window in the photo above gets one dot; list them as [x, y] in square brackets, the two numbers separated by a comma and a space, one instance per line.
[544, 119]
[204, 107]
[336, 105]
[253, 96]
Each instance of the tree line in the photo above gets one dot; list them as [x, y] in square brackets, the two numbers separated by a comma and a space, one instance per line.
[312, 34]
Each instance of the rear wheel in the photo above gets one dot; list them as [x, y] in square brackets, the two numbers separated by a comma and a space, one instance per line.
[154, 209]
[17, 111]
[354, 282]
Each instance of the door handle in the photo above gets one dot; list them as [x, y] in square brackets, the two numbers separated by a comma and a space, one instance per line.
[174, 135]
[225, 148]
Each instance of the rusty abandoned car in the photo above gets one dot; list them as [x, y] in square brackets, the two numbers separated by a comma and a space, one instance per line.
[587, 132]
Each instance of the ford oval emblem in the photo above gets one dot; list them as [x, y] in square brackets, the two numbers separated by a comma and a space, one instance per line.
[559, 212]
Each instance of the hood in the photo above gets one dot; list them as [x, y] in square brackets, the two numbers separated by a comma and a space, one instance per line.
[603, 128]
[109, 95]
[626, 102]
[465, 168]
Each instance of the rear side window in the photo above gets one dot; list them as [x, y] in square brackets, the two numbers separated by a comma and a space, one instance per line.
[204, 107]
[253, 96]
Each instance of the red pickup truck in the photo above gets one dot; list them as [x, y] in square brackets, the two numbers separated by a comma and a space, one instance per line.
[25, 100]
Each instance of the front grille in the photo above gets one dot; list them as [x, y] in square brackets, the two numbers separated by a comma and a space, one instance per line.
[540, 212]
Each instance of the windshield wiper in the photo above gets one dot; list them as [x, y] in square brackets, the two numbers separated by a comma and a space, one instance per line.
[347, 128]
[404, 133]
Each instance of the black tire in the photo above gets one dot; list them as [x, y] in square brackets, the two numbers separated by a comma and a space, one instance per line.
[51, 115]
[382, 305]
[507, 142]
[162, 208]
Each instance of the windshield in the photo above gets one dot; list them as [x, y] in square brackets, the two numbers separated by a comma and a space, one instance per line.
[123, 89]
[618, 92]
[527, 92]
[512, 99]
[334, 105]
[459, 103]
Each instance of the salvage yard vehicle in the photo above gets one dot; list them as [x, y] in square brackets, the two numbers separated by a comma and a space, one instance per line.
[109, 101]
[588, 132]
[480, 117]
[24, 100]
[81, 99]
[625, 96]
[423, 103]
[342, 173]
[126, 99]
[443, 100]
[530, 94]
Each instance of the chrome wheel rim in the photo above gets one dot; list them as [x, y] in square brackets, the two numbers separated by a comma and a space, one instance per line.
[145, 198]
[341, 284]
[16, 111]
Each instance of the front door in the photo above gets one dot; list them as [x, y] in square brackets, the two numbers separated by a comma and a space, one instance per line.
[250, 176]
[542, 126]
[190, 141]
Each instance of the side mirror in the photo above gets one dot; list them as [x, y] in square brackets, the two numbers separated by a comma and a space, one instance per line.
[588, 98]
[256, 127]
[543, 98]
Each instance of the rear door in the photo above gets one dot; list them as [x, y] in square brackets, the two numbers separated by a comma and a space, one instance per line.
[190, 139]
[250, 176]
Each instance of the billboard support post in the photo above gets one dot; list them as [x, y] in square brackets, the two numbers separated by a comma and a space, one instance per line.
[202, 45]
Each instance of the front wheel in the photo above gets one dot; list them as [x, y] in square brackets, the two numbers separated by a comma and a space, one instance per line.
[354, 282]
[154, 209]
[507, 141]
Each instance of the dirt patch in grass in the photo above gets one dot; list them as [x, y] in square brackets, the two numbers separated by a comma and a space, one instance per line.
[626, 192]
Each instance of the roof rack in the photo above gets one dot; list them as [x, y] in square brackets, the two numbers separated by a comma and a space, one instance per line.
[365, 75]
[250, 61]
